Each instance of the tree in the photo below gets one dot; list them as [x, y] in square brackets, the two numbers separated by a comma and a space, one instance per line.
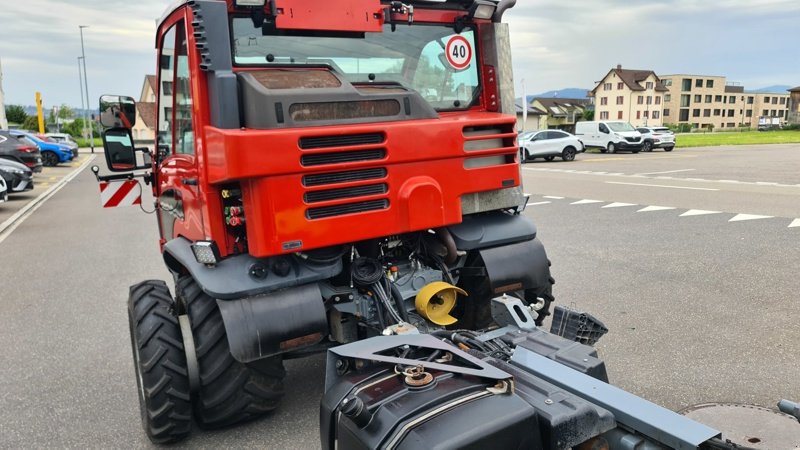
[65, 112]
[16, 114]
[31, 123]
[588, 114]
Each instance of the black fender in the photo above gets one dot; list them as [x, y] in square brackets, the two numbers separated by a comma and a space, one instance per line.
[243, 275]
[271, 324]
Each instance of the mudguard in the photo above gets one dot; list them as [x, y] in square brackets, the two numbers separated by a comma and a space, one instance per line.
[518, 266]
[267, 325]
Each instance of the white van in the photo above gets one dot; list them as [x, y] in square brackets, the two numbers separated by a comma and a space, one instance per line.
[609, 136]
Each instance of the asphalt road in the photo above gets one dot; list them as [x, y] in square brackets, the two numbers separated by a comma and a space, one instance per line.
[700, 308]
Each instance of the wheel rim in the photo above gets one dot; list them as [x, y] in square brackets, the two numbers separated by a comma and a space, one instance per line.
[50, 159]
[646, 146]
[569, 154]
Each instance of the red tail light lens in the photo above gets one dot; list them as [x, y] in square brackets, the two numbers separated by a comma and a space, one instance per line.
[27, 149]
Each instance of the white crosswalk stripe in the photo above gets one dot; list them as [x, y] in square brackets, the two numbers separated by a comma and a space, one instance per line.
[655, 208]
[743, 217]
[698, 212]
[619, 205]
[585, 202]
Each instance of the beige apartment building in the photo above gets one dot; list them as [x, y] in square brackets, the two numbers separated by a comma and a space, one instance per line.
[707, 101]
[794, 106]
[634, 96]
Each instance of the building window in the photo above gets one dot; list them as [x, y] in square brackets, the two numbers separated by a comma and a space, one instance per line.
[684, 115]
[732, 99]
[695, 113]
[780, 113]
[708, 99]
[698, 83]
[638, 115]
[166, 87]
[749, 100]
[620, 99]
[620, 86]
[619, 115]
[648, 85]
[698, 98]
[774, 100]
[783, 100]
[667, 97]
[731, 125]
[766, 99]
[706, 113]
[640, 100]
[774, 113]
[686, 85]
[749, 113]
[717, 112]
[765, 113]
[603, 101]
[685, 100]
[655, 114]
[603, 115]
[658, 100]
[730, 113]
[646, 114]
[649, 99]
[667, 82]
[607, 87]
[709, 83]
[717, 98]
[666, 113]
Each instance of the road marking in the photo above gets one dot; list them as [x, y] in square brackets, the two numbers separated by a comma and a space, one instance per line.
[655, 208]
[698, 212]
[53, 178]
[662, 186]
[645, 176]
[537, 203]
[601, 159]
[619, 205]
[553, 197]
[795, 223]
[666, 171]
[585, 202]
[742, 217]
[10, 224]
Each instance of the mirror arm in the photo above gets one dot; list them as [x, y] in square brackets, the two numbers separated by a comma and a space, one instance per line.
[146, 176]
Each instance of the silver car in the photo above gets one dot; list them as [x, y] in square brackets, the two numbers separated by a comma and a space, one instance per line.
[548, 144]
[657, 137]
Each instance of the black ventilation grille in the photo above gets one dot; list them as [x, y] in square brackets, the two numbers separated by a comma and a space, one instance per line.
[335, 194]
[343, 177]
[341, 141]
[351, 208]
[342, 157]
[632, 139]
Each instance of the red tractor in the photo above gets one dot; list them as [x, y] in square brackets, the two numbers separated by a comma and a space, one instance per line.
[324, 172]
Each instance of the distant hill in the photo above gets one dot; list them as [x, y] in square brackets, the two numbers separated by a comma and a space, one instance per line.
[563, 93]
[777, 89]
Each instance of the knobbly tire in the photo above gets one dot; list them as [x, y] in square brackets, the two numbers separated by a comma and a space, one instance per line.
[230, 392]
[160, 363]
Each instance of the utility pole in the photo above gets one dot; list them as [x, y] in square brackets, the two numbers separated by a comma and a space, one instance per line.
[3, 121]
[86, 86]
[83, 108]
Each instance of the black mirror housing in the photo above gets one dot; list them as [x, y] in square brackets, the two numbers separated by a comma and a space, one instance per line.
[119, 150]
[117, 111]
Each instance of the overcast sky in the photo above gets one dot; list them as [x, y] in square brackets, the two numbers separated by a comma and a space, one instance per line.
[556, 43]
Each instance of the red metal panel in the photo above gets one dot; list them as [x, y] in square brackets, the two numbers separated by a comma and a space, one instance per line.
[332, 15]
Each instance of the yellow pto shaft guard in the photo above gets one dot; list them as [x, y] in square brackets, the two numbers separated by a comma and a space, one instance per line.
[435, 301]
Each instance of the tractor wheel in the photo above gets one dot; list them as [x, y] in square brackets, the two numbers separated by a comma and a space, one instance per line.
[230, 392]
[49, 159]
[160, 363]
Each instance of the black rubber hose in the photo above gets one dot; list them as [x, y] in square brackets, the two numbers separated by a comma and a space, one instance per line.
[399, 301]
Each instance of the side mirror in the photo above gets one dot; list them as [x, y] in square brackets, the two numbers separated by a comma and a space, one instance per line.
[120, 154]
[117, 111]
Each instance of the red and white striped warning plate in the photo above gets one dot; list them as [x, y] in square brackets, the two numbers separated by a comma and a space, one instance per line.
[120, 193]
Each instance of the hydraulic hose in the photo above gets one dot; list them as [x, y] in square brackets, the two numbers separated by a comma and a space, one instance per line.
[399, 301]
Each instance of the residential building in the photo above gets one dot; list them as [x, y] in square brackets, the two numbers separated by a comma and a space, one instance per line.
[560, 113]
[794, 106]
[536, 119]
[634, 96]
[710, 101]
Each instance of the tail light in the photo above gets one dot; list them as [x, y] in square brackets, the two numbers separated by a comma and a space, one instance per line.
[27, 149]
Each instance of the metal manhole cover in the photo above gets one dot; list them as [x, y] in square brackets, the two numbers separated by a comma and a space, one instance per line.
[749, 425]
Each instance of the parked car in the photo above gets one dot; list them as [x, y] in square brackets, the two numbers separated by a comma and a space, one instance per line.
[23, 151]
[53, 153]
[3, 191]
[609, 136]
[657, 137]
[18, 177]
[548, 144]
[65, 139]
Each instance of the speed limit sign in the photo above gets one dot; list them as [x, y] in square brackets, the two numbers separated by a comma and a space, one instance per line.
[459, 52]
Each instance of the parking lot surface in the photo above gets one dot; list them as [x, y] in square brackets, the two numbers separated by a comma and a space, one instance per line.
[700, 308]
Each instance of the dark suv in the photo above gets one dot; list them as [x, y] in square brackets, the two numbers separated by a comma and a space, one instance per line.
[20, 150]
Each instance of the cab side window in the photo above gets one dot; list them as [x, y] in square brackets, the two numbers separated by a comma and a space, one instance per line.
[184, 136]
[175, 96]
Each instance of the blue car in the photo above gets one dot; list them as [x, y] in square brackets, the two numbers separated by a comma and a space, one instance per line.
[53, 153]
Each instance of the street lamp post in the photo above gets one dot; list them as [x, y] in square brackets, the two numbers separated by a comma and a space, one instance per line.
[86, 86]
[83, 107]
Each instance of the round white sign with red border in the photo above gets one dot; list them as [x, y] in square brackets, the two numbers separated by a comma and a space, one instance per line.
[459, 52]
